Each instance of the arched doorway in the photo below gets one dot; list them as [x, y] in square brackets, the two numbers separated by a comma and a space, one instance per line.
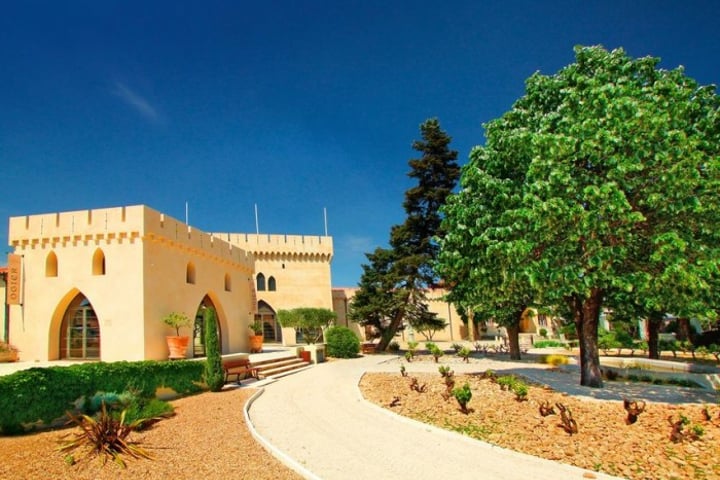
[199, 328]
[272, 330]
[80, 331]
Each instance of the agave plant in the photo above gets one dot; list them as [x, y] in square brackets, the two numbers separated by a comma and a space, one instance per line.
[105, 436]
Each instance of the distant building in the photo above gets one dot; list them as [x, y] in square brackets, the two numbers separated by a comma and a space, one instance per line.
[456, 329]
[95, 284]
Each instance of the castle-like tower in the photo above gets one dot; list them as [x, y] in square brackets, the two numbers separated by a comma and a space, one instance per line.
[96, 283]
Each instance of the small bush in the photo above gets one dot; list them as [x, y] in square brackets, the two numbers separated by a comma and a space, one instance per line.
[520, 389]
[507, 382]
[394, 346]
[463, 396]
[445, 371]
[548, 344]
[543, 332]
[436, 352]
[555, 360]
[464, 353]
[456, 347]
[341, 342]
[408, 356]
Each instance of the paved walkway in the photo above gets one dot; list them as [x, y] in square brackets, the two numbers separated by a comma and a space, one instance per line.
[318, 422]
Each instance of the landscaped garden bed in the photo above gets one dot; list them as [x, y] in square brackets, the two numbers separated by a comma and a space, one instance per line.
[604, 441]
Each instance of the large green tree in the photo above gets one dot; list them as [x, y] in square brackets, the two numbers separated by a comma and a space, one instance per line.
[482, 254]
[619, 198]
[392, 286]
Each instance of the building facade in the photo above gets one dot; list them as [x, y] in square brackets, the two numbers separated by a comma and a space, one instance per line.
[96, 283]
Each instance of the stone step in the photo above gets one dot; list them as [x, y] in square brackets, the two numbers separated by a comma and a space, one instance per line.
[280, 366]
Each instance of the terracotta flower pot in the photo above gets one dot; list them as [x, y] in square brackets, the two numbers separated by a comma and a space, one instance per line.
[256, 343]
[177, 346]
[305, 355]
[9, 356]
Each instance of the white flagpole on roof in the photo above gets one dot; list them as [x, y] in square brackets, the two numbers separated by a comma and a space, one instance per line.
[325, 218]
[257, 225]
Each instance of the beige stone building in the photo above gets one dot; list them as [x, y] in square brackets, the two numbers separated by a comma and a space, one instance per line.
[95, 284]
[455, 331]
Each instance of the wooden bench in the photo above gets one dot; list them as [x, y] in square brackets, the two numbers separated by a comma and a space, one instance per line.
[238, 367]
[368, 347]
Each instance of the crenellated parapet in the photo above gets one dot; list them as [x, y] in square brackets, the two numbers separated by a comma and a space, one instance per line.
[283, 247]
[168, 230]
[71, 228]
[121, 225]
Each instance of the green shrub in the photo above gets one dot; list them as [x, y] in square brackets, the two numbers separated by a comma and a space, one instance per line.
[445, 371]
[464, 353]
[214, 374]
[543, 332]
[394, 346]
[144, 410]
[548, 344]
[412, 347]
[341, 342]
[520, 389]
[506, 382]
[554, 360]
[456, 347]
[46, 394]
[463, 396]
[436, 352]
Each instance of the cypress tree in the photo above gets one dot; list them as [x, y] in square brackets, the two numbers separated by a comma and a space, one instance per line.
[214, 376]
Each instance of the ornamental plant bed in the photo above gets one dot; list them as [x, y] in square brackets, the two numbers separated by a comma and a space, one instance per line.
[604, 441]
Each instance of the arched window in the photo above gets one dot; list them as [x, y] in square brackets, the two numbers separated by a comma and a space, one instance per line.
[260, 282]
[271, 284]
[51, 265]
[190, 273]
[80, 331]
[228, 282]
[98, 263]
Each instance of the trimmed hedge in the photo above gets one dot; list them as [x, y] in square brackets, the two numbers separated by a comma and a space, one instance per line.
[341, 342]
[43, 395]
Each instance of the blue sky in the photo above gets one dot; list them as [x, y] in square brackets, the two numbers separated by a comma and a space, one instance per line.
[295, 106]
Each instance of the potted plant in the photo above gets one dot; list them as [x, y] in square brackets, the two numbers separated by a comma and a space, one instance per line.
[310, 322]
[256, 338]
[177, 344]
[8, 352]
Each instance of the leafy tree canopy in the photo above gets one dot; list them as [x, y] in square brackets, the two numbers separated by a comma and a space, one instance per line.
[600, 184]
[309, 321]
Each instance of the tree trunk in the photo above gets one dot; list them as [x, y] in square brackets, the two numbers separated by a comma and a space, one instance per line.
[513, 330]
[653, 334]
[587, 319]
[390, 331]
[471, 325]
[683, 331]
[512, 325]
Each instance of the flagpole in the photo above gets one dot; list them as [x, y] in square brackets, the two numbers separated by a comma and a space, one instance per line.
[325, 218]
[257, 225]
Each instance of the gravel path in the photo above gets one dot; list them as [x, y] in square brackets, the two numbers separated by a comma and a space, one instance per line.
[318, 419]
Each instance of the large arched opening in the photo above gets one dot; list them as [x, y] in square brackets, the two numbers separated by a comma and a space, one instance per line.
[199, 327]
[79, 331]
[272, 330]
